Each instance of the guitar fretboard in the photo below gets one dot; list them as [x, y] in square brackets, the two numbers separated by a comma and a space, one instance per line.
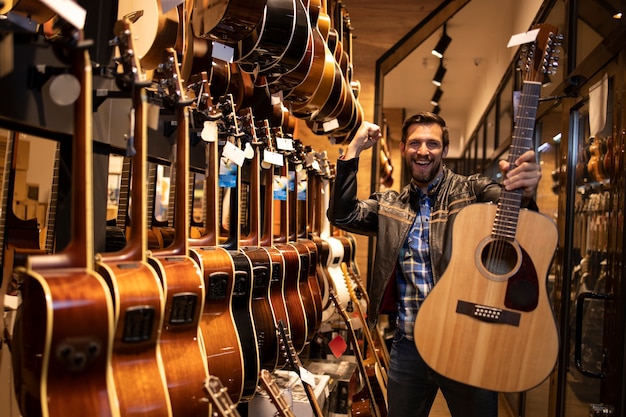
[507, 213]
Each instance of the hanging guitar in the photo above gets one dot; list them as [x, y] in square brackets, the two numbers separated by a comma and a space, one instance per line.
[138, 295]
[488, 321]
[181, 276]
[222, 344]
[63, 333]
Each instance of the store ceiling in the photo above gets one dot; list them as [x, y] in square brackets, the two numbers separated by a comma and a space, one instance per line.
[477, 53]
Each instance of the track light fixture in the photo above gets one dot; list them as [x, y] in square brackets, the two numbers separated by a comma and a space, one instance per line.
[442, 45]
[441, 71]
[436, 109]
[436, 97]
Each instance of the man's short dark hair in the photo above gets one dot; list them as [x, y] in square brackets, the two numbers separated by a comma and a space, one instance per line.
[426, 118]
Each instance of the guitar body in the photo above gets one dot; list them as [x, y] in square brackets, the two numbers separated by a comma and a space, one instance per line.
[335, 276]
[136, 361]
[242, 312]
[223, 349]
[293, 299]
[264, 322]
[181, 343]
[62, 344]
[306, 294]
[516, 349]
[313, 280]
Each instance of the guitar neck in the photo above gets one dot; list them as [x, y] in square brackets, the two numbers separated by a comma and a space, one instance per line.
[359, 355]
[275, 395]
[79, 251]
[296, 365]
[507, 213]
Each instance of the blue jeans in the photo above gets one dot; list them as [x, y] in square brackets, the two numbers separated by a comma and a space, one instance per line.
[412, 387]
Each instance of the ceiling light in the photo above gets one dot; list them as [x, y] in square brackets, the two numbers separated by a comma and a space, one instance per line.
[436, 109]
[441, 71]
[442, 45]
[436, 97]
[617, 15]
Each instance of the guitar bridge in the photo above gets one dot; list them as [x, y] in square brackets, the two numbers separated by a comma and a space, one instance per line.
[488, 314]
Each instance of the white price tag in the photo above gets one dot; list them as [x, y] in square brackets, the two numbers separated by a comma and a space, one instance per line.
[273, 158]
[307, 377]
[330, 125]
[284, 144]
[524, 37]
[234, 154]
[223, 52]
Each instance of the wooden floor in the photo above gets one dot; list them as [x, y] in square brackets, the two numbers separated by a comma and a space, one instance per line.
[440, 409]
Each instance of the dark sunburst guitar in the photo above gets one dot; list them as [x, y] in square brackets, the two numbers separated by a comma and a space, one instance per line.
[488, 322]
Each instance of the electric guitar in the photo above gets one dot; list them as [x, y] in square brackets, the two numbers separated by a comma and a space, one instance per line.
[64, 328]
[294, 364]
[488, 321]
[138, 295]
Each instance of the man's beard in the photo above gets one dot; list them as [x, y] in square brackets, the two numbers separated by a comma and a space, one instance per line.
[424, 177]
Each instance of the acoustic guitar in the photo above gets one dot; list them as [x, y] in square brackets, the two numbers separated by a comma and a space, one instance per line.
[181, 277]
[155, 30]
[226, 21]
[223, 349]
[278, 296]
[64, 328]
[260, 257]
[135, 286]
[488, 321]
[244, 277]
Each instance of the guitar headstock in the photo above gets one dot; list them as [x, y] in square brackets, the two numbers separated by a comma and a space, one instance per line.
[170, 83]
[132, 72]
[223, 406]
[230, 119]
[293, 360]
[540, 58]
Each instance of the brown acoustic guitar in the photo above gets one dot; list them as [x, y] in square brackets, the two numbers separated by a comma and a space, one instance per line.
[63, 334]
[181, 277]
[223, 350]
[488, 322]
[136, 288]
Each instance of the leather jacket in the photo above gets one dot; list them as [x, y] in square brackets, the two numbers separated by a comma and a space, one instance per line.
[388, 216]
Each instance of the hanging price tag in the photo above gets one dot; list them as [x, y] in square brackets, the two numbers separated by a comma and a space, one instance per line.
[234, 153]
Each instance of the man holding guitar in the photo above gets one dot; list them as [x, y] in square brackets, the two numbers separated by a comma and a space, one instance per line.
[413, 230]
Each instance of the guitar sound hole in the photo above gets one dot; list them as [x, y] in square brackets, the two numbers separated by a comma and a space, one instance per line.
[499, 257]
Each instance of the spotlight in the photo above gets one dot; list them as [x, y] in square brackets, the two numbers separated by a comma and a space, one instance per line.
[442, 45]
[436, 109]
[441, 71]
[436, 97]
